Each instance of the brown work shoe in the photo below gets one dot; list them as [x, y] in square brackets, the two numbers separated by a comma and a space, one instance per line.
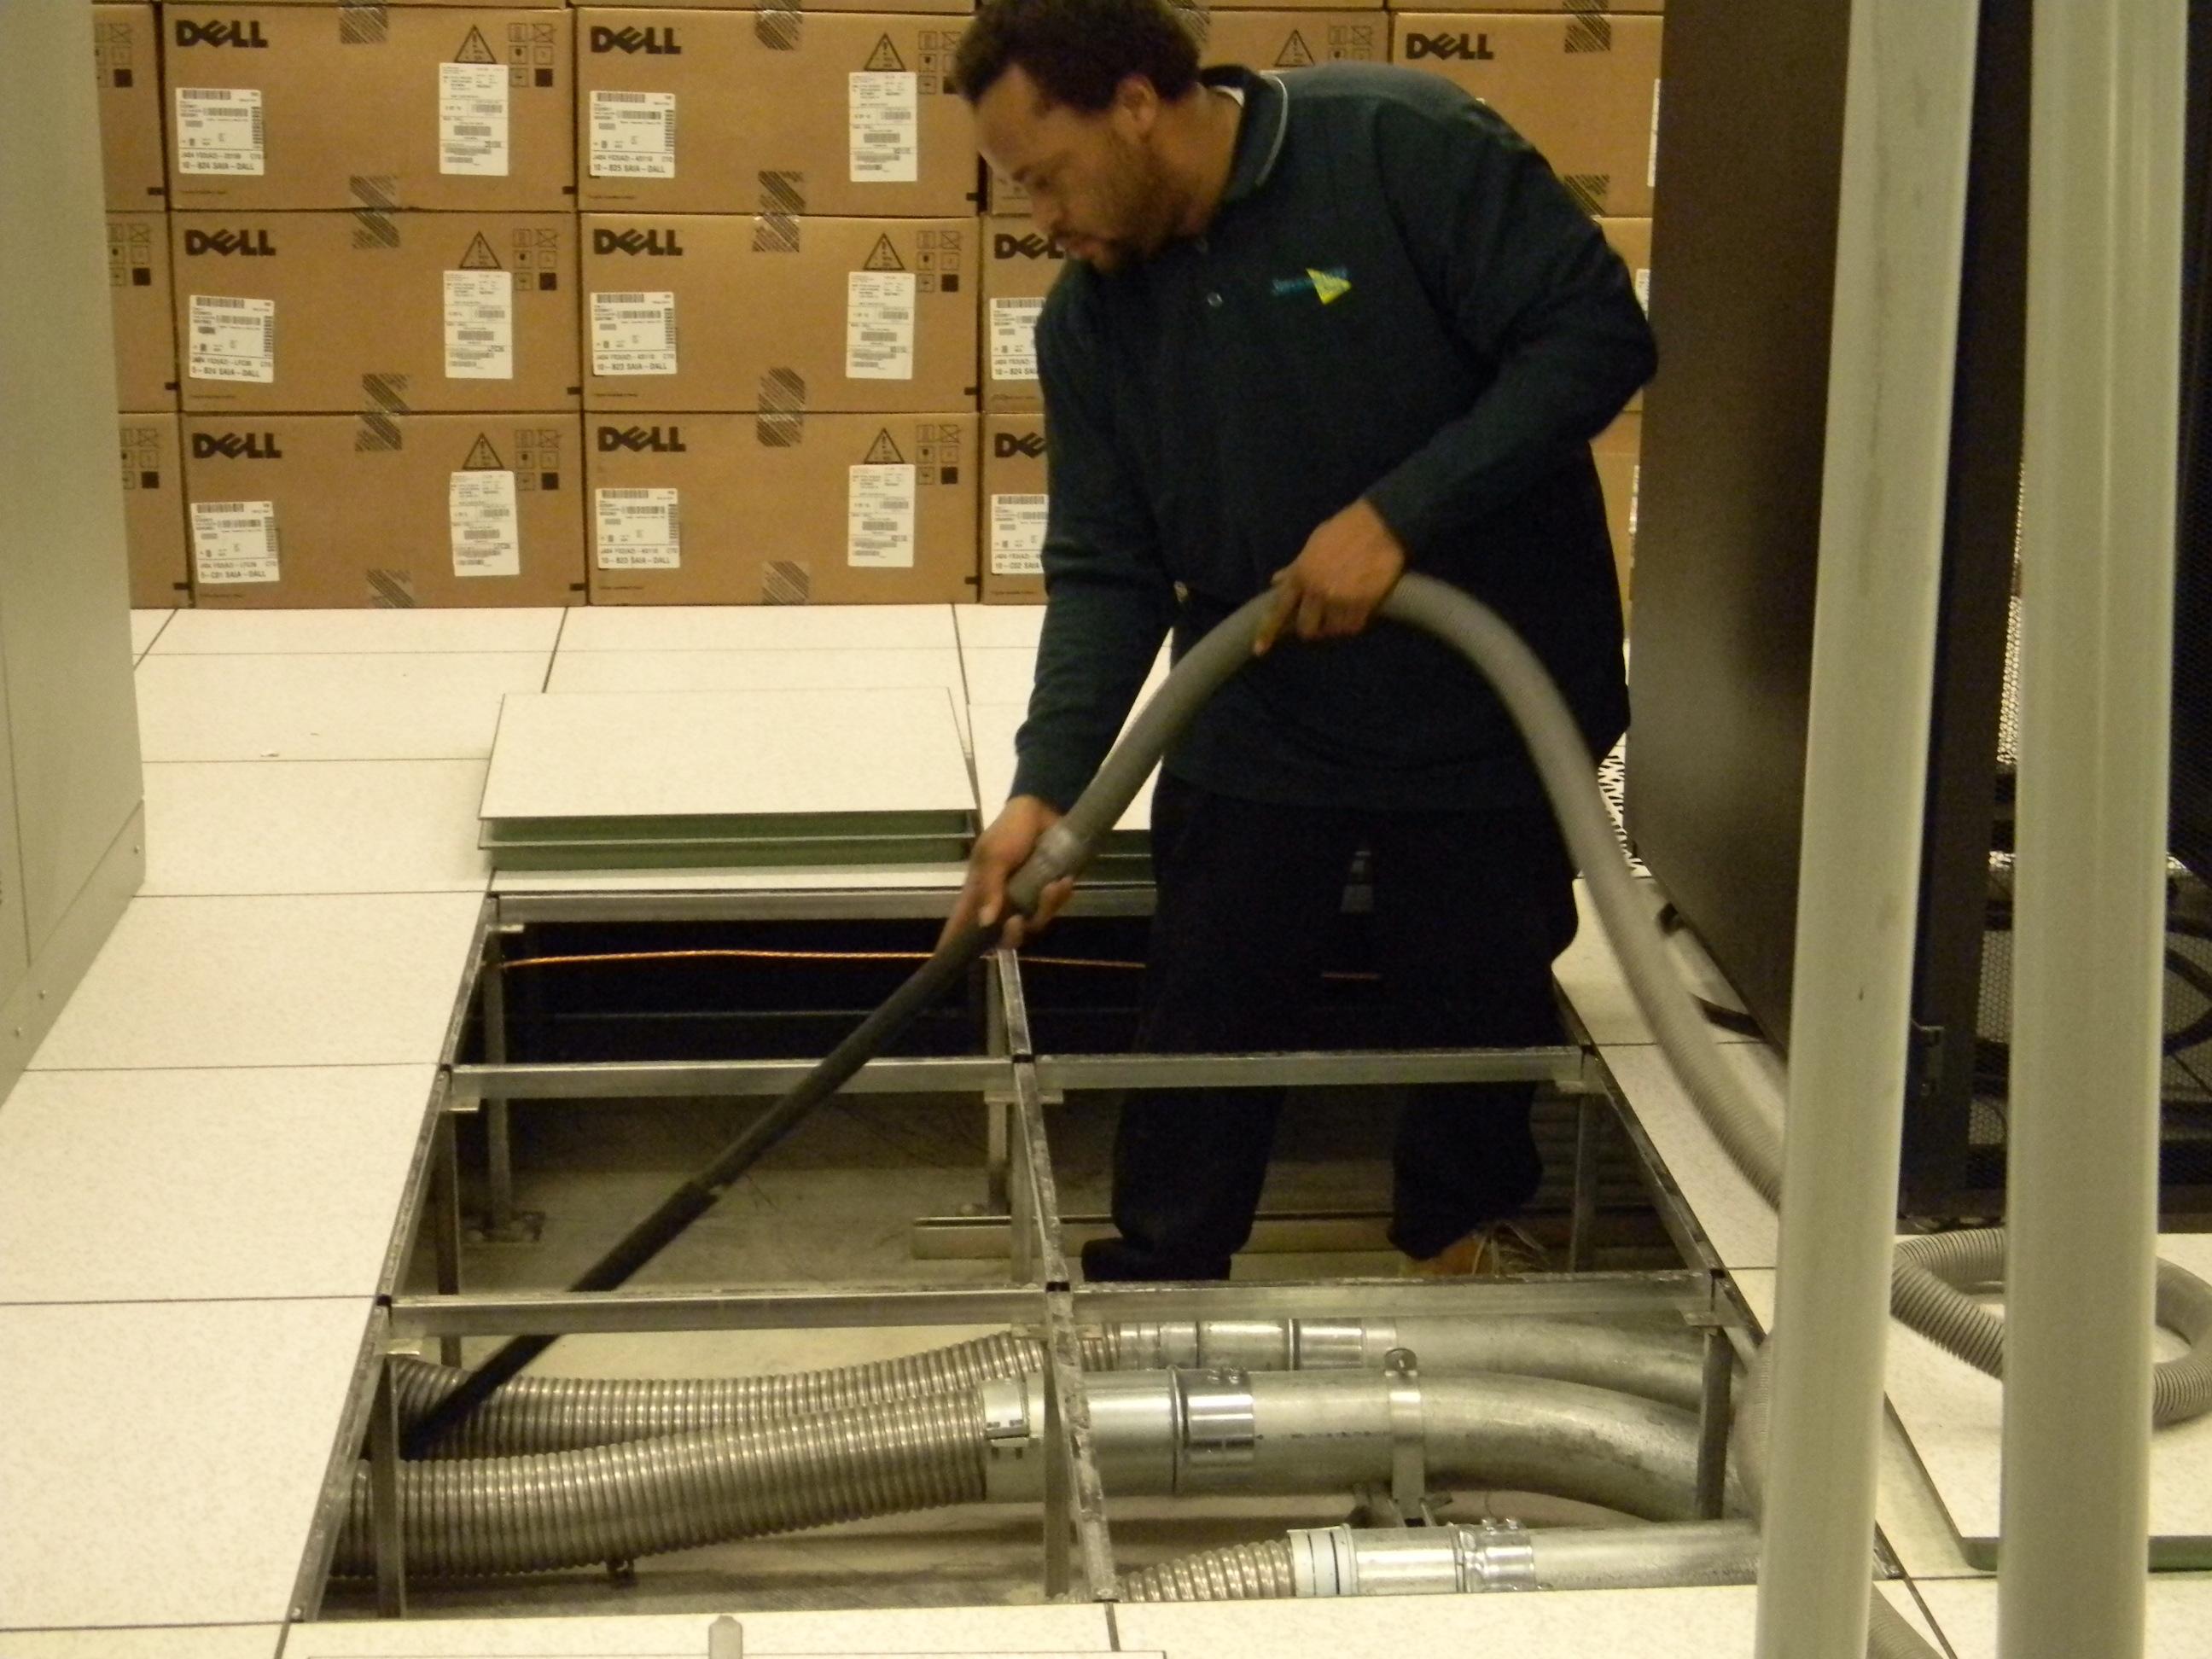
[1500, 1249]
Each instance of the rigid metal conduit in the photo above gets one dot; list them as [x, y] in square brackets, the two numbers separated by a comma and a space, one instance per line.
[1460, 1559]
[534, 1414]
[1157, 1433]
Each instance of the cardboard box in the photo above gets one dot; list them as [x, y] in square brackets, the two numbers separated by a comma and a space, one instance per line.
[154, 511]
[782, 509]
[406, 313]
[935, 7]
[731, 314]
[1616, 451]
[1012, 532]
[1585, 8]
[1275, 37]
[295, 107]
[1632, 240]
[1020, 266]
[727, 112]
[145, 311]
[351, 511]
[1583, 89]
[126, 62]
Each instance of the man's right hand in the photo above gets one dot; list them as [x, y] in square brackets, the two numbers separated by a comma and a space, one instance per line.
[999, 851]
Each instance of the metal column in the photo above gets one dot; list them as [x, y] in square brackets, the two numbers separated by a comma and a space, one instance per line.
[1908, 108]
[2097, 564]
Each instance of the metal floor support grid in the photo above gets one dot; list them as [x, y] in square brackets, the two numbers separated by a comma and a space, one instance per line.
[1013, 1084]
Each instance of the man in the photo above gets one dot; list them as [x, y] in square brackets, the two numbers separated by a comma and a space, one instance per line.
[1321, 328]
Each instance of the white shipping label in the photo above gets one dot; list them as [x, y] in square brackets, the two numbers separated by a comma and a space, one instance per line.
[232, 339]
[1644, 287]
[233, 541]
[883, 112]
[1635, 489]
[1013, 338]
[634, 333]
[1651, 168]
[219, 131]
[481, 517]
[1017, 535]
[880, 324]
[479, 325]
[472, 119]
[637, 530]
[880, 518]
[633, 135]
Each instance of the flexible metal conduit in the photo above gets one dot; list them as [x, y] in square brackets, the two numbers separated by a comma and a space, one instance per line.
[533, 1415]
[1490, 1555]
[481, 1517]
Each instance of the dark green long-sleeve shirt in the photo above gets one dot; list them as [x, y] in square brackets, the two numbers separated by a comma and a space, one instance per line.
[1397, 300]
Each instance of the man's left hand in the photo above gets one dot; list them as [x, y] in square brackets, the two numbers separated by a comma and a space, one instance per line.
[1330, 591]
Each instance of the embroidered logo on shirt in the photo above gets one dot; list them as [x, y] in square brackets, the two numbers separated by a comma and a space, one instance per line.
[1327, 286]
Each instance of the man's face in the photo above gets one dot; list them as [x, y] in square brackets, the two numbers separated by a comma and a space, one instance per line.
[1095, 182]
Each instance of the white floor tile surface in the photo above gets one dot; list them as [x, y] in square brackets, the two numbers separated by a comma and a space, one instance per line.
[1057, 1631]
[268, 982]
[757, 670]
[323, 633]
[174, 1642]
[760, 627]
[1647, 1623]
[214, 1184]
[1953, 1415]
[1907, 1508]
[145, 627]
[392, 706]
[163, 1459]
[1734, 1217]
[2177, 1608]
[982, 627]
[221, 827]
[616, 754]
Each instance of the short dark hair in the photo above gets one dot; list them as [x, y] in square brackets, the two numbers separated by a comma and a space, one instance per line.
[1078, 51]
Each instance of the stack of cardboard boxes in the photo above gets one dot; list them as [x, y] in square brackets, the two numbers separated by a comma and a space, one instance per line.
[435, 303]
[374, 254]
[780, 224]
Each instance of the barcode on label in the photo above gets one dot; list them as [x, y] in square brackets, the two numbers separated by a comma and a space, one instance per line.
[620, 299]
[627, 495]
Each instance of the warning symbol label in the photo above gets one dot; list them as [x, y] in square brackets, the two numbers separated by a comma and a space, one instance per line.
[885, 57]
[884, 452]
[1296, 54]
[482, 457]
[475, 50]
[480, 257]
[884, 257]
